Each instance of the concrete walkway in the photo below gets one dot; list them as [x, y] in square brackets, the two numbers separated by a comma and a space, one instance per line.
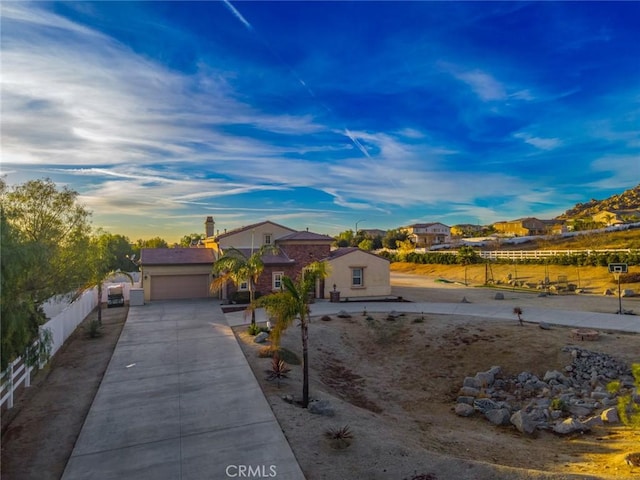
[179, 401]
[498, 310]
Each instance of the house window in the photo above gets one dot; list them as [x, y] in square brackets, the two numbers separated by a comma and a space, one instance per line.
[277, 280]
[244, 285]
[357, 277]
[267, 239]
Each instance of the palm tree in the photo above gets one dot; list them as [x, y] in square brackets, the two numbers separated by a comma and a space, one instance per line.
[290, 304]
[235, 267]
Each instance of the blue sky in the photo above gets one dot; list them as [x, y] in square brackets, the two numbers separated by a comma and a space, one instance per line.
[321, 114]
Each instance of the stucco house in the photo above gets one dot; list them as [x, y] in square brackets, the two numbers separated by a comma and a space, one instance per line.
[293, 251]
[522, 227]
[616, 217]
[425, 235]
[357, 273]
[176, 273]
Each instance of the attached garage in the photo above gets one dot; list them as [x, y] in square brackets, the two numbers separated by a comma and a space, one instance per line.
[176, 273]
[171, 287]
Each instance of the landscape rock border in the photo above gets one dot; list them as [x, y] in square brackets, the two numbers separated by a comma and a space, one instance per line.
[572, 401]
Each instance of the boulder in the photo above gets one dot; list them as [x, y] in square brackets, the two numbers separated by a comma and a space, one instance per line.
[261, 337]
[580, 410]
[464, 410]
[471, 382]
[498, 416]
[485, 379]
[469, 391]
[523, 423]
[485, 404]
[544, 326]
[570, 425]
[321, 407]
[610, 415]
[467, 400]
[499, 296]
[628, 293]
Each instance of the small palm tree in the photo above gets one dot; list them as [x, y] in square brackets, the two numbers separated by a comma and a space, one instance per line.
[290, 304]
[98, 279]
[235, 267]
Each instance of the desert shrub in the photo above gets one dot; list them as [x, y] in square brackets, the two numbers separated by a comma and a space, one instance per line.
[94, 328]
[423, 476]
[613, 386]
[628, 409]
[558, 404]
[283, 353]
[255, 329]
[325, 318]
[339, 438]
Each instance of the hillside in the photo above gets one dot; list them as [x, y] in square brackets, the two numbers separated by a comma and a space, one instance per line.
[627, 200]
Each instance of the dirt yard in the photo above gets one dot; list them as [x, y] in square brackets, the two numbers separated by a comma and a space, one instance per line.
[39, 432]
[394, 383]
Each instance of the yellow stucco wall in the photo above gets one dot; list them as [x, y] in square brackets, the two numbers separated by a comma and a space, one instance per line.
[377, 276]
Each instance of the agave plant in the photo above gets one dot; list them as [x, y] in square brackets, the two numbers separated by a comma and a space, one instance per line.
[279, 370]
[339, 437]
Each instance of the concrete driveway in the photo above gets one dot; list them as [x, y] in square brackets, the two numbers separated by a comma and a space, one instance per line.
[179, 401]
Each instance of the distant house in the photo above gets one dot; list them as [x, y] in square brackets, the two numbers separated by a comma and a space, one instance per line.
[372, 232]
[521, 227]
[466, 230]
[425, 235]
[616, 217]
[176, 273]
[555, 227]
[357, 273]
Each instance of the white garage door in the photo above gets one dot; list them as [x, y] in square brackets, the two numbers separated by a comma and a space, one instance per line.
[174, 287]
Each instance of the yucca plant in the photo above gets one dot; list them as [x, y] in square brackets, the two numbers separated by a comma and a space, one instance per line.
[339, 438]
[279, 370]
[518, 311]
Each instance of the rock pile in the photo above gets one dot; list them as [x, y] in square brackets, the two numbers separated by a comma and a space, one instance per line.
[573, 400]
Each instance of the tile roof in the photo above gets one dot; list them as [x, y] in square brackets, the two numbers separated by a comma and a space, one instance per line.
[249, 227]
[176, 256]
[306, 235]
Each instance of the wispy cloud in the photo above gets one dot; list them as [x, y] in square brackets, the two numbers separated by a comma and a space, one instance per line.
[484, 85]
[538, 142]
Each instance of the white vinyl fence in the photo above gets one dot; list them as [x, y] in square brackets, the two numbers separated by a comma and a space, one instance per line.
[61, 327]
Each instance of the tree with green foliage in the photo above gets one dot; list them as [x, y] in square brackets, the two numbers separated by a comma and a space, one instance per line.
[392, 238]
[233, 266]
[366, 244]
[44, 235]
[344, 239]
[155, 242]
[187, 240]
[117, 250]
[293, 303]
[103, 260]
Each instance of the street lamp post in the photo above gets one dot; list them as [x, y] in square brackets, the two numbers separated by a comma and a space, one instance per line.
[356, 232]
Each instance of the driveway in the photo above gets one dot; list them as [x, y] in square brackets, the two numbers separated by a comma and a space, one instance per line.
[179, 401]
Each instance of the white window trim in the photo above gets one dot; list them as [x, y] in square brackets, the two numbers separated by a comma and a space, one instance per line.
[264, 239]
[273, 281]
[243, 286]
[362, 283]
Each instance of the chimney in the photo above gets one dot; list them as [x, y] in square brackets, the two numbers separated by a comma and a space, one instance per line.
[209, 225]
